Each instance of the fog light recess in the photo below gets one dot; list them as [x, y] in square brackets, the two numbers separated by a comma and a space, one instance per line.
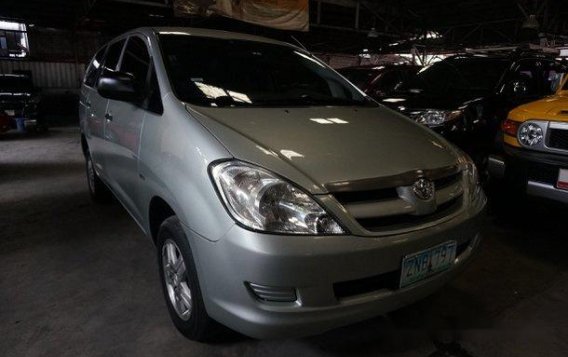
[272, 293]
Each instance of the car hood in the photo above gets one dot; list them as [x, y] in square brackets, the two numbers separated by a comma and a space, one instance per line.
[551, 106]
[315, 146]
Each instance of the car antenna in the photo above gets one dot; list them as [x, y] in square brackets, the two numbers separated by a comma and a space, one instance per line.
[298, 42]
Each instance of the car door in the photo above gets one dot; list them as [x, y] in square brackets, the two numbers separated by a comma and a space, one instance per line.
[123, 127]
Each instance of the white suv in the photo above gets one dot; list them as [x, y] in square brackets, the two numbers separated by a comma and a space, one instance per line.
[282, 200]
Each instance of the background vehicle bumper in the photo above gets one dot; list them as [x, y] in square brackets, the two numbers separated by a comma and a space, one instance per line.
[539, 189]
[533, 171]
[338, 280]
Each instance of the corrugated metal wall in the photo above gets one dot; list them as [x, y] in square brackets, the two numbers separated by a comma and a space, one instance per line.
[56, 76]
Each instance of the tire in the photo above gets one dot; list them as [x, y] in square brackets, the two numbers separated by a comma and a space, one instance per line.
[97, 189]
[181, 288]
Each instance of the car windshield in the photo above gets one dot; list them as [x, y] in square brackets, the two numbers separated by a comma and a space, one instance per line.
[11, 83]
[229, 73]
[457, 76]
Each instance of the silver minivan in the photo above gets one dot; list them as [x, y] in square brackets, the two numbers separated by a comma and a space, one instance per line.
[282, 200]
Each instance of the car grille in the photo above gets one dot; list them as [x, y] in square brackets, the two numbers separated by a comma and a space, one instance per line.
[543, 173]
[558, 139]
[382, 210]
[408, 220]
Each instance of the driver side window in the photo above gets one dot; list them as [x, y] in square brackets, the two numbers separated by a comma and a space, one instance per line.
[137, 62]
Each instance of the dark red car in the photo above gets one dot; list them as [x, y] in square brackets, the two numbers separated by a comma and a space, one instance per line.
[378, 81]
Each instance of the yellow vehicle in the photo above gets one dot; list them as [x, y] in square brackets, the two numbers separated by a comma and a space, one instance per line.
[535, 147]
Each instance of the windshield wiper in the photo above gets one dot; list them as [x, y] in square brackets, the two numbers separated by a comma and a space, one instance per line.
[308, 99]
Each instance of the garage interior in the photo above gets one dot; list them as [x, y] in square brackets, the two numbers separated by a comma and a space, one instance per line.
[80, 279]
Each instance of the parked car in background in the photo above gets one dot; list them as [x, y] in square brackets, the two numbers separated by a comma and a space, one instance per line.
[19, 100]
[535, 152]
[378, 81]
[467, 97]
[281, 199]
[5, 123]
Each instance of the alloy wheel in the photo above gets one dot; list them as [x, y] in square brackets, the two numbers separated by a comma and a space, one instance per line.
[175, 276]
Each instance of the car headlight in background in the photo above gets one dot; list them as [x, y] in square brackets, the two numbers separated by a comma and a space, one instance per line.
[438, 117]
[530, 134]
[260, 200]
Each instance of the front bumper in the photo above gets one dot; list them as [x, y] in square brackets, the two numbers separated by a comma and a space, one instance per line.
[534, 171]
[318, 268]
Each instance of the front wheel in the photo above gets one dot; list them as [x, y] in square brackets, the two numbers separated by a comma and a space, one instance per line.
[181, 285]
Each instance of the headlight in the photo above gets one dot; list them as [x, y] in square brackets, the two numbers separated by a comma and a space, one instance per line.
[471, 177]
[530, 134]
[259, 200]
[438, 117]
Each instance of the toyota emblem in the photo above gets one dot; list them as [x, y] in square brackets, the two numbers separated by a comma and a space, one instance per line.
[423, 189]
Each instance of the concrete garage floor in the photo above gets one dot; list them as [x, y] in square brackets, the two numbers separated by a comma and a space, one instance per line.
[78, 279]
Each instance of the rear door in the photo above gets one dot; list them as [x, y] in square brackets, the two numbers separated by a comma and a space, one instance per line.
[123, 126]
[91, 123]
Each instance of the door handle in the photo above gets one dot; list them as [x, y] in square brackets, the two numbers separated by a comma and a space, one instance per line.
[108, 116]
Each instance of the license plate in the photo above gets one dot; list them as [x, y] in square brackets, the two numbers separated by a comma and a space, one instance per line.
[562, 182]
[10, 113]
[420, 265]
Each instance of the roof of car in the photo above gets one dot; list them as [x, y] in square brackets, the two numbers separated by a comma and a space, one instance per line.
[200, 32]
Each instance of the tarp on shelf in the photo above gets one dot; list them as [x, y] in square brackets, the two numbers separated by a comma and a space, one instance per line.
[279, 14]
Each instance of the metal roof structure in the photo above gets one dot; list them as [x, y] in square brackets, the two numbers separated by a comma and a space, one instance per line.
[338, 25]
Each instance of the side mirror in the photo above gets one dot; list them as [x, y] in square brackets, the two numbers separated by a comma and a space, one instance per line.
[117, 86]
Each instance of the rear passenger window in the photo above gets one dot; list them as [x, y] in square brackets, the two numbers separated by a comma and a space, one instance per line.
[113, 55]
[136, 61]
[95, 68]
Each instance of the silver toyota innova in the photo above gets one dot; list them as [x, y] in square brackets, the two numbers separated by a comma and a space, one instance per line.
[281, 199]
